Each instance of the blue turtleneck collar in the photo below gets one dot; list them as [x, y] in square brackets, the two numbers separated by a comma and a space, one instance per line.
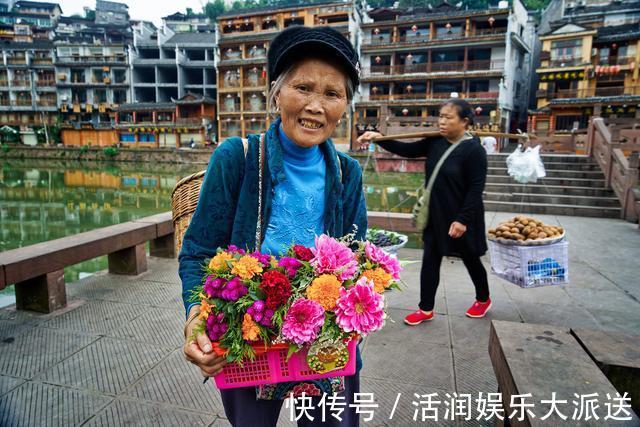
[293, 153]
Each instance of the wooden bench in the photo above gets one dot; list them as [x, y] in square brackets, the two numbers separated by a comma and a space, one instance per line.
[540, 360]
[618, 356]
[38, 270]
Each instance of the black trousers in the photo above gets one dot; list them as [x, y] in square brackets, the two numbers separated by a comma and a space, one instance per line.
[430, 275]
[244, 410]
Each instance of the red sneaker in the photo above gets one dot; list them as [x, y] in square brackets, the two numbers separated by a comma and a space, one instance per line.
[418, 317]
[479, 309]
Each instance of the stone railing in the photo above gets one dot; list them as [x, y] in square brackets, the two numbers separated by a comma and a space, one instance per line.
[618, 159]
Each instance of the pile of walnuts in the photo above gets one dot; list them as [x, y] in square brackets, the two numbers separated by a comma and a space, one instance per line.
[522, 228]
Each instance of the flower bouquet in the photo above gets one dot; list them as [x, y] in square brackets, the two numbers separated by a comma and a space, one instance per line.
[296, 317]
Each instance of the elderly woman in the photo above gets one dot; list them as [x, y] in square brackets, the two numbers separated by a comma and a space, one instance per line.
[455, 225]
[283, 187]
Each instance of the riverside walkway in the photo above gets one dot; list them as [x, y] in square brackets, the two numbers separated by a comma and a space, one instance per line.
[113, 355]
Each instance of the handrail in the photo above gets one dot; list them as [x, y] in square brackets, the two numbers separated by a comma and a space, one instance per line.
[621, 172]
[38, 270]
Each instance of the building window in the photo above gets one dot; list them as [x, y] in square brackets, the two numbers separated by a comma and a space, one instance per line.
[146, 137]
[566, 49]
[567, 123]
[127, 137]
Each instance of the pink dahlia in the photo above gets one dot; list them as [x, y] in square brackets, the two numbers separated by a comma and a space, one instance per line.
[303, 321]
[333, 257]
[389, 263]
[360, 308]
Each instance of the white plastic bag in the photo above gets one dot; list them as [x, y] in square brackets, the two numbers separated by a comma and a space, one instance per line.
[526, 166]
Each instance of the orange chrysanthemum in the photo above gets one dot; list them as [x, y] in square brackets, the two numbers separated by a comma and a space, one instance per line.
[250, 330]
[380, 278]
[325, 290]
[205, 307]
[219, 262]
[246, 267]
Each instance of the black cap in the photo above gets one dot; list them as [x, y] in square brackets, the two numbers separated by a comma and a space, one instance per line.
[297, 41]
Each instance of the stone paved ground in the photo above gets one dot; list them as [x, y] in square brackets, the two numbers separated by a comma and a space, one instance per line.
[113, 357]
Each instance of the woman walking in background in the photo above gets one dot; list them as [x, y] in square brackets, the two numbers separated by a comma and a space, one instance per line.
[455, 210]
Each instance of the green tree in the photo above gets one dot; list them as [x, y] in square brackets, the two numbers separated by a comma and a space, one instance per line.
[90, 14]
[214, 9]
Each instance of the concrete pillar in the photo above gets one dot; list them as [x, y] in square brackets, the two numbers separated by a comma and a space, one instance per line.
[131, 261]
[43, 294]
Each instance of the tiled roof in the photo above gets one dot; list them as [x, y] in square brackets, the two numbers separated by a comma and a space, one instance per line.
[192, 38]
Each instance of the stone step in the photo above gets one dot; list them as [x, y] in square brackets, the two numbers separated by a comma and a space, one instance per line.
[554, 173]
[551, 209]
[610, 202]
[556, 158]
[578, 182]
[552, 165]
[549, 189]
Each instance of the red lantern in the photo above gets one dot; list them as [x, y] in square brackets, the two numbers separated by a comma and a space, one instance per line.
[614, 46]
[616, 69]
[478, 110]
[414, 28]
[405, 111]
[378, 59]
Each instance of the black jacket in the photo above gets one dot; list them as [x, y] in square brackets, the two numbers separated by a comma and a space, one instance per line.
[456, 193]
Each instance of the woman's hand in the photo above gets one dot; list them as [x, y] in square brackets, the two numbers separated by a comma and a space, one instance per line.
[365, 139]
[457, 229]
[200, 352]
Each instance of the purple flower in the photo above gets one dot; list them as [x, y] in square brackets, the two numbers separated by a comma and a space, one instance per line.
[234, 290]
[260, 313]
[291, 265]
[213, 285]
[216, 326]
[233, 249]
[264, 259]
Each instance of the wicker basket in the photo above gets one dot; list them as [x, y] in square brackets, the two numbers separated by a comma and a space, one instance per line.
[184, 200]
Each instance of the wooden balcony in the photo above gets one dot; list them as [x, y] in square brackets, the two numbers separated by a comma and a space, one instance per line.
[255, 82]
[619, 60]
[564, 62]
[435, 67]
[590, 93]
[432, 95]
[46, 83]
[21, 83]
[387, 39]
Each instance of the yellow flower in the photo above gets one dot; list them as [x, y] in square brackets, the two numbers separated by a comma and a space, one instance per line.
[246, 267]
[380, 278]
[205, 307]
[325, 290]
[274, 262]
[250, 330]
[219, 262]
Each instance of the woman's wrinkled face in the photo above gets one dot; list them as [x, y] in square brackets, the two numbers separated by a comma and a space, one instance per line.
[311, 101]
[450, 124]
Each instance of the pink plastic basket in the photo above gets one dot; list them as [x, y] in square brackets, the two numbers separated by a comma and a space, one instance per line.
[273, 367]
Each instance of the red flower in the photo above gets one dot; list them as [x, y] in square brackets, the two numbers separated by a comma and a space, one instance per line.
[277, 288]
[303, 253]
